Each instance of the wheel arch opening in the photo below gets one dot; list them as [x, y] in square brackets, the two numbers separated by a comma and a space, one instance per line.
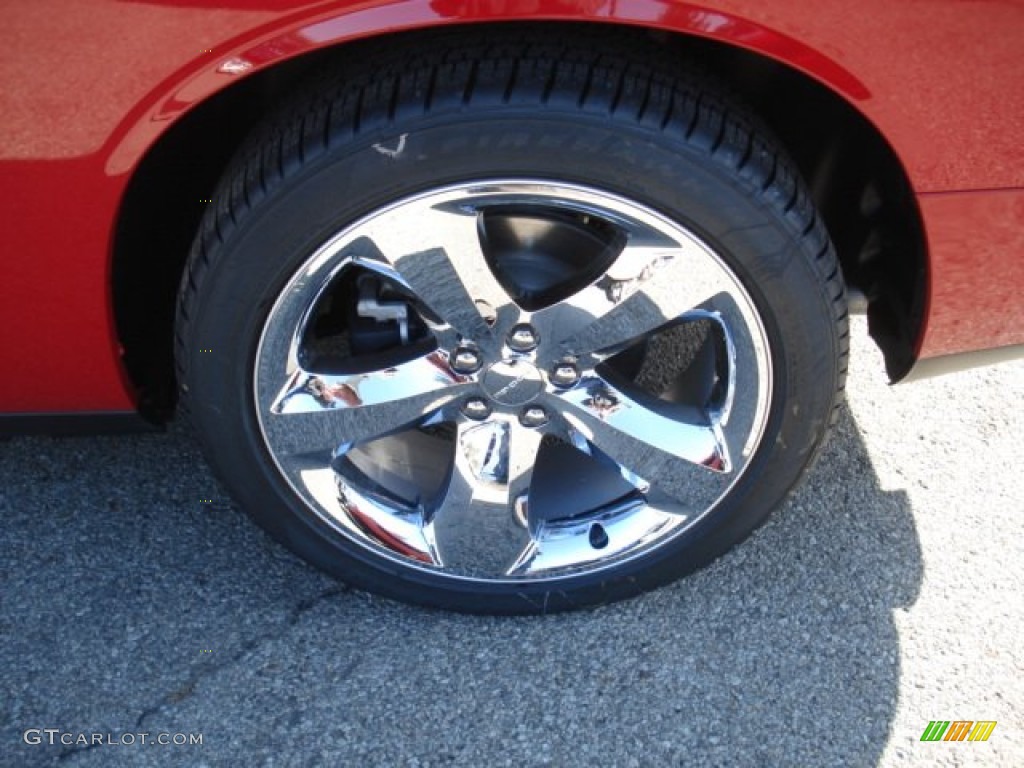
[160, 215]
[857, 182]
[859, 187]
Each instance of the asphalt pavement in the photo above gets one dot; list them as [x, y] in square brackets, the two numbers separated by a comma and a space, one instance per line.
[886, 593]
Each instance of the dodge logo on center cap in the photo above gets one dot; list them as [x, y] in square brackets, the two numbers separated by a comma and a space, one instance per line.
[512, 382]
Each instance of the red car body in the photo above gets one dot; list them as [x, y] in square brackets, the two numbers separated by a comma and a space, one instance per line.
[98, 96]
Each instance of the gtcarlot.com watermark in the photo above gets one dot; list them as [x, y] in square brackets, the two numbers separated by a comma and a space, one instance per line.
[81, 739]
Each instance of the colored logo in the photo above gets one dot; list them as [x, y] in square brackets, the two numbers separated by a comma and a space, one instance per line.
[958, 730]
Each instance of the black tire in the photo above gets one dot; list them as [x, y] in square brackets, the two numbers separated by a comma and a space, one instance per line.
[592, 111]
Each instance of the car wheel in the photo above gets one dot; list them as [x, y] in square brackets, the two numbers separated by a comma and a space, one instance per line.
[511, 326]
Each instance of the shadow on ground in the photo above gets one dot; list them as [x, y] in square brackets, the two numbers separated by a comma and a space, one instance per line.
[130, 605]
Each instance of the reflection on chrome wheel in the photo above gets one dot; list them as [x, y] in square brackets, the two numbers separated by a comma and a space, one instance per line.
[433, 452]
[508, 326]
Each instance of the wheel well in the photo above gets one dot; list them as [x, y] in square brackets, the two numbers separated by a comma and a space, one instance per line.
[858, 185]
[856, 181]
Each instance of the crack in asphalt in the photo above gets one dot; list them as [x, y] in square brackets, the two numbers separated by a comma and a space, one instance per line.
[187, 690]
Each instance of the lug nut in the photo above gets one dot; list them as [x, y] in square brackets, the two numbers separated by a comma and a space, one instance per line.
[522, 338]
[477, 409]
[465, 360]
[565, 375]
[534, 416]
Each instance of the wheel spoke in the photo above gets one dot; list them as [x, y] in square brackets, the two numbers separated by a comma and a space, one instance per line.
[748, 378]
[645, 288]
[320, 412]
[480, 523]
[522, 450]
[682, 456]
[436, 251]
[394, 526]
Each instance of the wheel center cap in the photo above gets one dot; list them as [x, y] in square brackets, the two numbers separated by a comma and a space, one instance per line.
[512, 382]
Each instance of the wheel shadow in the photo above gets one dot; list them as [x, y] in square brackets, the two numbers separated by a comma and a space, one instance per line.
[136, 599]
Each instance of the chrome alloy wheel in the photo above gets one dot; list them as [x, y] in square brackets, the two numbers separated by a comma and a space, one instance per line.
[533, 428]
